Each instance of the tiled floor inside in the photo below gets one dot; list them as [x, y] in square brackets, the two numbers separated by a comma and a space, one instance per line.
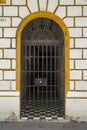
[41, 110]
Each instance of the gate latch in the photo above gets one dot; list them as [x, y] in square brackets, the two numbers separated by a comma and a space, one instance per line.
[40, 81]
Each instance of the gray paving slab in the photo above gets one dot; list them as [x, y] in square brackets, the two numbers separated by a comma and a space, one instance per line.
[42, 126]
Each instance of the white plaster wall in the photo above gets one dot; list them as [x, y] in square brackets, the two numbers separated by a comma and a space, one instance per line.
[76, 109]
[76, 106]
[9, 106]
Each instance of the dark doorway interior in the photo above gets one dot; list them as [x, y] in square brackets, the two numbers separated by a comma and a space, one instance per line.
[42, 70]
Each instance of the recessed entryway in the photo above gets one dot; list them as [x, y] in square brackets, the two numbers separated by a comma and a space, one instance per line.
[42, 70]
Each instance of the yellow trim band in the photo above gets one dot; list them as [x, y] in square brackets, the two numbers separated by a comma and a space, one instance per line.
[60, 22]
[2, 1]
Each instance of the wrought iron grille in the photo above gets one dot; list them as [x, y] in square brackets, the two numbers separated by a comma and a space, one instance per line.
[42, 70]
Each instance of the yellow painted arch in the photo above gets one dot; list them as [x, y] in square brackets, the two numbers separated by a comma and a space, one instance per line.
[59, 21]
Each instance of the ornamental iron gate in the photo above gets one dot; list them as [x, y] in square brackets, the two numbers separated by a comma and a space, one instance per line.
[42, 71]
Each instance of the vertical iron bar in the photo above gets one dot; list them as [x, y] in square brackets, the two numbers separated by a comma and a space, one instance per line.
[28, 72]
[51, 73]
[25, 70]
[34, 73]
[42, 72]
[38, 73]
[55, 73]
[29, 69]
[47, 74]
[58, 75]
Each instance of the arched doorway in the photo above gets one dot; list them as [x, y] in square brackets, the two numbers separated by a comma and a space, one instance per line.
[42, 67]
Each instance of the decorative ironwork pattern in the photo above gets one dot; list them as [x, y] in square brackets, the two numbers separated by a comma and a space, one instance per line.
[42, 28]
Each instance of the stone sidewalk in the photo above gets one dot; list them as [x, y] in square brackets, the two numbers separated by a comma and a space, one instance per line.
[42, 126]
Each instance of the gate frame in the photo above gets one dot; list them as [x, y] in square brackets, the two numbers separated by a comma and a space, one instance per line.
[60, 22]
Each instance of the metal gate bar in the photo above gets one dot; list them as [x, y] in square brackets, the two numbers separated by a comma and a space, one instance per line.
[41, 78]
